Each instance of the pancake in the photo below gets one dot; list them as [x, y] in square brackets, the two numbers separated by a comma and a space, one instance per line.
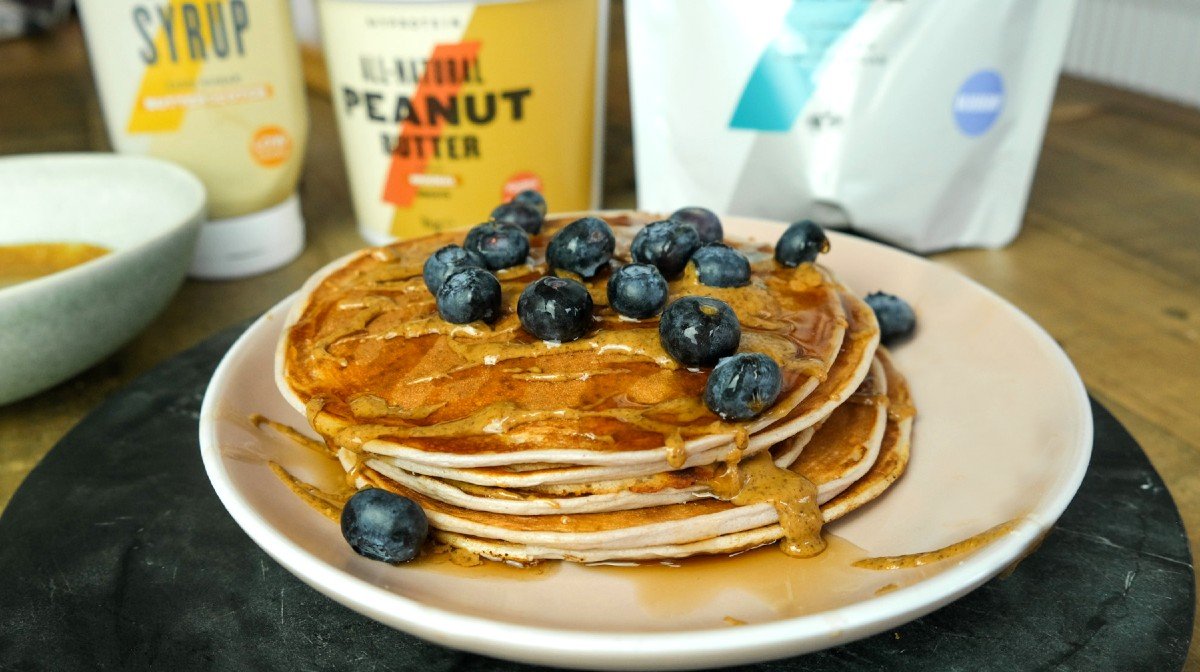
[850, 367]
[601, 448]
[658, 489]
[703, 526]
[893, 454]
[374, 367]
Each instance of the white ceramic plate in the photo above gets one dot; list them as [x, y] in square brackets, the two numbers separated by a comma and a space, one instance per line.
[1004, 432]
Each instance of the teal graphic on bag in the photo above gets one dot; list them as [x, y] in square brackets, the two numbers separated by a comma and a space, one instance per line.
[785, 76]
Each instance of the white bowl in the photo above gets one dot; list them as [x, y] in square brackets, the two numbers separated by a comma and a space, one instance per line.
[147, 211]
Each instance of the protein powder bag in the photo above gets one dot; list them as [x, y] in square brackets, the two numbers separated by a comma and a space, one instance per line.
[916, 121]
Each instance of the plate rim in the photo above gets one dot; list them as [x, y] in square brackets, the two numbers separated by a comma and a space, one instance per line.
[687, 649]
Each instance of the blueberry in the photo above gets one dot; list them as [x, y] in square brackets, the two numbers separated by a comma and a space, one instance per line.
[583, 247]
[667, 244]
[555, 309]
[742, 386]
[637, 290]
[384, 526]
[524, 217]
[706, 223]
[499, 244]
[896, 317]
[698, 331]
[532, 199]
[719, 265]
[446, 262]
[469, 295]
[802, 242]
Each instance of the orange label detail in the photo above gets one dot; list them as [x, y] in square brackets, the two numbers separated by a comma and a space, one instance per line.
[271, 146]
[520, 182]
[399, 188]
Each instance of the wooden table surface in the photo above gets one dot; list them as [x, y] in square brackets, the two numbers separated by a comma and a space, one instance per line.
[1108, 260]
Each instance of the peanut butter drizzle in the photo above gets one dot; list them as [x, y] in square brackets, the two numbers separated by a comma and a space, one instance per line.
[960, 548]
[313, 409]
[901, 406]
[326, 503]
[676, 453]
[292, 433]
[901, 412]
[758, 480]
[29, 261]
[617, 346]
[371, 406]
[505, 417]
[741, 439]
[380, 299]
[536, 375]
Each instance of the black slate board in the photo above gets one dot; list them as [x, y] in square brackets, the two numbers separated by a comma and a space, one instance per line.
[115, 554]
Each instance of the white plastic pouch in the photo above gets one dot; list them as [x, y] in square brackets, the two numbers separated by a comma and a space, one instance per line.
[915, 121]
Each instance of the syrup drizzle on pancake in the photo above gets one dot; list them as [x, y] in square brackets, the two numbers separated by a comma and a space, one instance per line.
[371, 330]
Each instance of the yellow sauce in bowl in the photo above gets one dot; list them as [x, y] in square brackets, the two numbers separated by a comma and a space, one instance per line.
[28, 261]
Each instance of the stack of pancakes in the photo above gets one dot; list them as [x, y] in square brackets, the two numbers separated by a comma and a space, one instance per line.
[599, 449]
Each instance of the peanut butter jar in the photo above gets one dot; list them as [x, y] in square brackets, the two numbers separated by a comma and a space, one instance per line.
[447, 109]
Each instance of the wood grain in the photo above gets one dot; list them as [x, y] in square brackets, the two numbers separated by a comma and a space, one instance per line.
[1108, 261]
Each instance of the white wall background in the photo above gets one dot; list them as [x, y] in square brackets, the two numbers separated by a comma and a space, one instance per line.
[304, 17]
[1150, 46]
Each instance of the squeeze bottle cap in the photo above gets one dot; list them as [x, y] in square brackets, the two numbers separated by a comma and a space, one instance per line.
[249, 244]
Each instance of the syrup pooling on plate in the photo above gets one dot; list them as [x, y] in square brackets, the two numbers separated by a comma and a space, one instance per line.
[777, 585]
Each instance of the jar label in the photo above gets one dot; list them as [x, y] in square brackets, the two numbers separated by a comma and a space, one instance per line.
[441, 106]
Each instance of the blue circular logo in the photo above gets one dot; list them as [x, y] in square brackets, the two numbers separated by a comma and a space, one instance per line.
[979, 102]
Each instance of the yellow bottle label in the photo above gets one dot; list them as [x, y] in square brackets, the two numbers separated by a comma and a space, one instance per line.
[214, 85]
[448, 109]
[185, 36]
